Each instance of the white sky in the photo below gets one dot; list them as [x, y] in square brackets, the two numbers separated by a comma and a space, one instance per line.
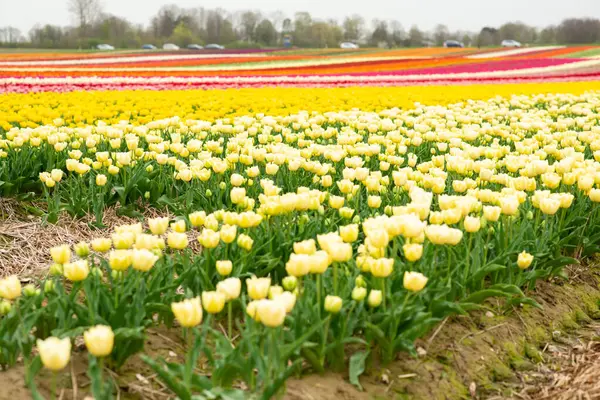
[456, 14]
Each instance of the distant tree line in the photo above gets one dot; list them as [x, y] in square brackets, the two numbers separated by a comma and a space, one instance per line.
[184, 26]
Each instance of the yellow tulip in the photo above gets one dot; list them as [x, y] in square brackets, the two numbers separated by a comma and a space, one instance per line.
[213, 302]
[271, 313]
[228, 233]
[258, 288]
[76, 271]
[10, 287]
[472, 224]
[101, 180]
[188, 312]
[99, 340]
[333, 304]
[224, 267]
[61, 254]
[359, 293]
[143, 259]
[101, 245]
[179, 226]
[412, 251]
[123, 240]
[349, 233]
[524, 260]
[158, 226]
[305, 247]
[414, 281]
[177, 241]
[382, 267]
[120, 260]
[375, 298]
[230, 287]
[55, 353]
[197, 218]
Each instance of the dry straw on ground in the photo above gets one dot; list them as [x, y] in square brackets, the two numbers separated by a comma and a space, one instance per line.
[25, 240]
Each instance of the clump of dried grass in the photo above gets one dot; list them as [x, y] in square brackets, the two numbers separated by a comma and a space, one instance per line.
[25, 240]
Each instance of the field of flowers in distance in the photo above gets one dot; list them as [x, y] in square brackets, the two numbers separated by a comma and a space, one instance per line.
[284, 213]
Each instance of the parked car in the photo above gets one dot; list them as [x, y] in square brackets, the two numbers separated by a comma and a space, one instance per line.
[453, 43]
[348, 45]
[214, 46]
[194, 47]
[149, 47]
[170, 46]
[105, 47]
[510, 43]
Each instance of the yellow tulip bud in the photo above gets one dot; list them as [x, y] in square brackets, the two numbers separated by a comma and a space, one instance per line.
[333, 304]
[224, 267]
[524, 260]
[101, 180]
[359, 293]
[82, 249]
[375, 298]
[245, 242]
[374, 201]
[99, 340]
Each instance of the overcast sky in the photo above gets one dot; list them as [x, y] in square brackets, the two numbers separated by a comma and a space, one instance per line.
[456, 14]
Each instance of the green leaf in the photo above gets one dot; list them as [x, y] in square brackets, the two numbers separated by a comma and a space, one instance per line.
[33, 369]
[357, 367]
[480, 296]
[168, 378]
[481, 273]
[508, 289]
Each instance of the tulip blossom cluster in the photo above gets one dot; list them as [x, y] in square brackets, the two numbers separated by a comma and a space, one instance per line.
[326, 228]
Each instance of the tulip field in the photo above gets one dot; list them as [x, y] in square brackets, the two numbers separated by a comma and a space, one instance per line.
[312, 210]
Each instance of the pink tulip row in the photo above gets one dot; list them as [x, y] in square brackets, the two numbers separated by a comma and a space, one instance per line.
[99, 86]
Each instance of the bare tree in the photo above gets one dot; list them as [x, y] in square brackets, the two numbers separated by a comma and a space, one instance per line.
[85, 13]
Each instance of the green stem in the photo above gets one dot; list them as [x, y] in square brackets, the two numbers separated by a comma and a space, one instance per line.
[324, 341]
[335, 280]
[319, 305]
[383, 292]
[230, 320]
[53, 385]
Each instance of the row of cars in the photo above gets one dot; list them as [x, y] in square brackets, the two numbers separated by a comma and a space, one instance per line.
[505, 43]
[167, 46]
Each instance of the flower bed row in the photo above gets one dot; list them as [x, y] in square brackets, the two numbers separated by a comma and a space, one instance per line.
[318, 241]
